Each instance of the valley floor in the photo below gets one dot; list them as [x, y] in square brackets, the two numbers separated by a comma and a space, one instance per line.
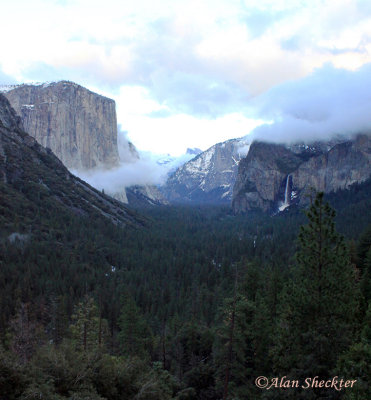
[194, 301]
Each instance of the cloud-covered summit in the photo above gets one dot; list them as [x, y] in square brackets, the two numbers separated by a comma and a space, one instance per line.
[329, 102]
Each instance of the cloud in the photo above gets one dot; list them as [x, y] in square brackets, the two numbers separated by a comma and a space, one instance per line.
[202, 59]
[6, 79]
[115, 180]
[364, 7]
[330, 101]
[147, 169]
[126, 45]
[127, 151]
[198, 95]
[163, 113]
[175, 133]
[258, 21]
[136, 168]
[243, 149]
[48, 72]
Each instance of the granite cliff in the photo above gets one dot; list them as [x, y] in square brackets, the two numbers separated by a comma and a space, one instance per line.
[79, 126]
[34, 182]
[272, 177]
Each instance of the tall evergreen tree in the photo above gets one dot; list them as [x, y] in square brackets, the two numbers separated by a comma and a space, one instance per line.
[135, 335]
[234, 351]
[356, 363]
[88, 329]
[26, 333]
[319, 308]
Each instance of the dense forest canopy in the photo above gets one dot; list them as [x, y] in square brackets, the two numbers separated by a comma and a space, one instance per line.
[195, 304]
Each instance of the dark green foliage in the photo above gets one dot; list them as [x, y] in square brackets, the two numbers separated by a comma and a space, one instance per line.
[89, 330]
[244, 333]
[12, 376]
[319, 308]
[162, 293]
[234, 356]
[135, 336]
[62, 372]
[190, 351]
[356, 362]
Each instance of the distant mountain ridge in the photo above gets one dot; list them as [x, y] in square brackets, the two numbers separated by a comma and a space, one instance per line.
[209, 177]
[267, 176]
[81, 129]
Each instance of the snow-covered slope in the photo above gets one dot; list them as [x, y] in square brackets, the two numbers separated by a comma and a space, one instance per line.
[209, 177]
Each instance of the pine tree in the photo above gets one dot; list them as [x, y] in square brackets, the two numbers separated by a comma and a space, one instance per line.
[26, 333]
[234, 351]
[135, 336]
[319, 307]
[88, 329]
[356, 363]
[59, 319]
[366, 277]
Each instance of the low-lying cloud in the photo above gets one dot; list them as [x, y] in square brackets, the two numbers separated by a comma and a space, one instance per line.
[146, 170]
[115, 180]
[329, 102]
[136, 168]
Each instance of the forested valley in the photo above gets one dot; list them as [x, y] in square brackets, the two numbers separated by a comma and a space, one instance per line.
[195, 304]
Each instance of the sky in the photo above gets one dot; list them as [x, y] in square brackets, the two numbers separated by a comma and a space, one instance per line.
[187, 73]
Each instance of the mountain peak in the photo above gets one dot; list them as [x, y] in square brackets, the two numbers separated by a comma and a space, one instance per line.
[208, 177]
[193, 151]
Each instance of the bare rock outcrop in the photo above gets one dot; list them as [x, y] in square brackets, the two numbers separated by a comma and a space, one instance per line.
[79, 126]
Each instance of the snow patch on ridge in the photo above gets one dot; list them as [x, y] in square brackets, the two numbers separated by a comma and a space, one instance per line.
[201, 164]
[8, 88]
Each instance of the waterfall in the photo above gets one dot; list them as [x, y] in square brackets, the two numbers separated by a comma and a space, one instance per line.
[287, 198]
[287, 192]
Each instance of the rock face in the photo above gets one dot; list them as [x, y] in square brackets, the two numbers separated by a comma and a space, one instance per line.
[8, 117]
[208, 177]
[32, 176]
[140, 196]
[272, 177]
[79, 126]
[143, 196]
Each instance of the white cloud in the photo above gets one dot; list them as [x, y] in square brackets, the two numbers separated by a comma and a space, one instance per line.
[184, 72]
[141, 172]
[177, 132]
[331, 101]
